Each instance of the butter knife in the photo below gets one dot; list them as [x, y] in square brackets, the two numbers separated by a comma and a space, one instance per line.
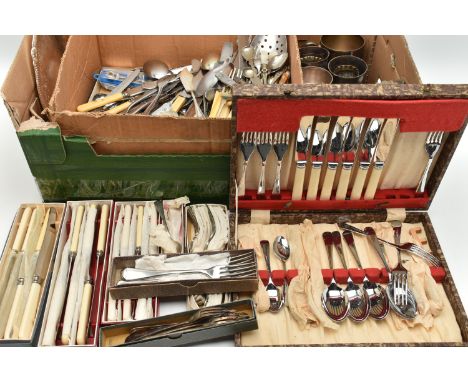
[302, 144]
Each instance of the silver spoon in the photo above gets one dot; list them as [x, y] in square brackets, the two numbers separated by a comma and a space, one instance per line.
[155, 69]
[334, 300]
[378, 300]
[283, 252]
[272, 290]
[359, 306]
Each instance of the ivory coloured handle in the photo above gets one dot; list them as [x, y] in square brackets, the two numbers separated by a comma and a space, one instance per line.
[22, 229]
[343, 183]
[328, 182]
[215, 105]
[139, 227]
[100, 102]
[359, 181]
[29, 316]
[127, 310]
[178, 103]
[119, 108]
[298, 186]
[83, 321]
[141, 309]
[373, 182]
[9, 330]
[312, 188]
[102, 230]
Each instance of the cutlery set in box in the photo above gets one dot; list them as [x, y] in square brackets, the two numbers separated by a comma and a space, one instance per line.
[326, 240]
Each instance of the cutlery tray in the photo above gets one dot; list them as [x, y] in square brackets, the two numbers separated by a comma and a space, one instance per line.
[180, 287]
[59, 209]
[115, 335]
[442, 318]
[97, 271]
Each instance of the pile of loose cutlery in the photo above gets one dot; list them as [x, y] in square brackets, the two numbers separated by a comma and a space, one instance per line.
[24, 272]
[72, 294]
[141, 229]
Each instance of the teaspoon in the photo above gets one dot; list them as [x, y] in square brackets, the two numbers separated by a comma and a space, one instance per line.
[283, 252]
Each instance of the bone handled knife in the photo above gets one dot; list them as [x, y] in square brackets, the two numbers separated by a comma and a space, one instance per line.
[334, 152]
[351, 136]
[43, 254]
[365, 155]
[319, 143]
[380, 155]
[302, 144]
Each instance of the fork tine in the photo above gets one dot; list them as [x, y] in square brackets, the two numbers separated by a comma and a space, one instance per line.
[429, 138]
[440, 134]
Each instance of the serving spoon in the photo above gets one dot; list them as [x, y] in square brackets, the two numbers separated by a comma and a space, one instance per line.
[272, 289]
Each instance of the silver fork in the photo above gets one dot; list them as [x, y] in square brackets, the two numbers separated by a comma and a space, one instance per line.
[433, 142]
[280, 146]
[399, 273]
[408, 247]
[264, 143]
[247, 145]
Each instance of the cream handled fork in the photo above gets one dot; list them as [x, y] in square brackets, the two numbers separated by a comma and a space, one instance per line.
[247, 146]
[264, 143]
[280, 146]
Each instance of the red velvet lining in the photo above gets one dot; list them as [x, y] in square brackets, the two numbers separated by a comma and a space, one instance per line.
[256, 114]
[341, 275]
[399, 198]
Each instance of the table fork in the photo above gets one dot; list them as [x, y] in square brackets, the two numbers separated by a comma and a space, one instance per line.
[247, 146]
[408, 247]
[432, 146]
[264, 143]
[399, 273]
[280, 146]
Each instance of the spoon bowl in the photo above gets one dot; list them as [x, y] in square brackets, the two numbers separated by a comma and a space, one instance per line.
[155, 69]
[209, 61]
[283, 252]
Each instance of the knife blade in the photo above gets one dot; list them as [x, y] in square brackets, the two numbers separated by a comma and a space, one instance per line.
[334, 152]
[302, 145]
[382, 149]
[351, 135]
[365, 154]
[319, 144]
[126, 82]
[43, 256]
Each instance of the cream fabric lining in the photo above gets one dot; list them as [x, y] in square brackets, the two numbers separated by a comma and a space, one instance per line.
[304, 321]
[403, 168]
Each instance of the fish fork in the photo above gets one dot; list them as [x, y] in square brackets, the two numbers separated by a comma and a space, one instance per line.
[264, 143]
[399, 273]
[432, 146]
[408, 247]
[280, 146]
[247, 146]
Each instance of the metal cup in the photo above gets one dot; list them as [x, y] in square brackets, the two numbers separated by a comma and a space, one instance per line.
[344, 45]
[347, 69]
[314, 56]
[316, 75]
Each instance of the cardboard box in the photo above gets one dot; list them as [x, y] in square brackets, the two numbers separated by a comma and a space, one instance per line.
[97, 271]
[59, 208]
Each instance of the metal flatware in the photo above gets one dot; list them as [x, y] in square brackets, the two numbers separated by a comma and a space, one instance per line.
[399, 273]
[365, 156]
[379, 156]
[126, 82]
[272, 289]
[302, 145]
[334, 153]
[283, 252]
[409, 247]
[334, 300]
[247, 146]
[264, 143]
[359, 307]
[280, 146]
[351, 134]
[432, 146]
[377, 297]
[319, 143]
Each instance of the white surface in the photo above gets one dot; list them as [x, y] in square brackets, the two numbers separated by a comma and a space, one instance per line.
[439, 60]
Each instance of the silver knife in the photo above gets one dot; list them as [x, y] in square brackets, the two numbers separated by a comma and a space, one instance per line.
[382, 149]
[302, 144]
[365, 155]
[319, 145]
[351, 135]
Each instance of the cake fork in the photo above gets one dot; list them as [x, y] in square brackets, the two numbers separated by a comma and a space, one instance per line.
[280, 146]
[264, 143]
[247, 146]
